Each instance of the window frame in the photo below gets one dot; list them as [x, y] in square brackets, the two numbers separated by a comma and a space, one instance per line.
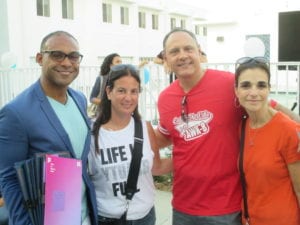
[155, 21]
[124, 15]
[43, 8]
[106, 13]
[68, 11]
[183, 23]
[142, 19]
[172, 22]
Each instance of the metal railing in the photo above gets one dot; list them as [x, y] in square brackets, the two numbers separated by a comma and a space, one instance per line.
[284, 83]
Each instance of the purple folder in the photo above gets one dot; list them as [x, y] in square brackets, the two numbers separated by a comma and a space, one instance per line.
[63, 183]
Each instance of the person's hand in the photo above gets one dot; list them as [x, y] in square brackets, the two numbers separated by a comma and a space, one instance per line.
[96, 101]
[1, 202]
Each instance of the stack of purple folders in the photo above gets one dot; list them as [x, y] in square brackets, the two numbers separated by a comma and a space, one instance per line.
[51, 186]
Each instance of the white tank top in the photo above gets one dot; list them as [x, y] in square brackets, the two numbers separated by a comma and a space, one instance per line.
[109, 172]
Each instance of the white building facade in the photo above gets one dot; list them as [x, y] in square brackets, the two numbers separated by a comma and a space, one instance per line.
[132, 28]
[135, 28]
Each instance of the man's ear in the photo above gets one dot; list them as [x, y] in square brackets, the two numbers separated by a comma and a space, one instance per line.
[199, 49]
[39, 58]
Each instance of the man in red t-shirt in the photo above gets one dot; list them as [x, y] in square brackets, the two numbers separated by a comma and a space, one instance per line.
[198, 115]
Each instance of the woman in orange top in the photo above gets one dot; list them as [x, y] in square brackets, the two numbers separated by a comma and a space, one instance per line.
[271, 150]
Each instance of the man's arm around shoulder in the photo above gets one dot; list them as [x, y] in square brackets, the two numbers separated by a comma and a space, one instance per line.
[287, 112]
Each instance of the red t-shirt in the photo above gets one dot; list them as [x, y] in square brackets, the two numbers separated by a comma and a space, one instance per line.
[271, 198]
[206, 179]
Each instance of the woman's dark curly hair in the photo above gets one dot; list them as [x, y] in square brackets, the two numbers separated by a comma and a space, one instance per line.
[105, 67]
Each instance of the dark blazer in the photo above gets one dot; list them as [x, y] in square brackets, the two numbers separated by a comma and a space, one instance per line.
[29, 125]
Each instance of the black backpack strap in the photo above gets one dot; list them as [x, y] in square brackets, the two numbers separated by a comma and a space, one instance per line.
[137, 153]
[241, 168]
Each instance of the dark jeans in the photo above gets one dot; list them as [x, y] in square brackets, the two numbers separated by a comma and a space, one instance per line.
[149, 219]
[3, 216]
[185, 219]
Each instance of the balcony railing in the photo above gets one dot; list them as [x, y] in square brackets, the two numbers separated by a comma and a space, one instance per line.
[284, 83]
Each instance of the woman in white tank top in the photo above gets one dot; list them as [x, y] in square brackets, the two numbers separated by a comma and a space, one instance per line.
[110, 155]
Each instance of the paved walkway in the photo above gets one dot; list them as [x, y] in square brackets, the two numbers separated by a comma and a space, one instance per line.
[163, 208]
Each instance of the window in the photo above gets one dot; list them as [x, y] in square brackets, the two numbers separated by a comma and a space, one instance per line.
[173, 23]
[200, 30]
[67, 9]
[154, 21]
[106, 13]
[204, 31]
[124, 15]
[182, 23]
[142, 20]
[197, 29]
[43, 7]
